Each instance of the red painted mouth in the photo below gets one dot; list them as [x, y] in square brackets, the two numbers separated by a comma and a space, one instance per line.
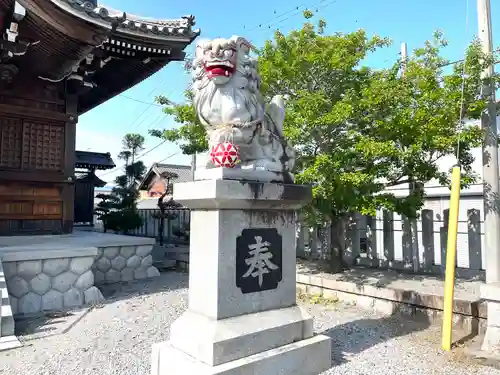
[219, 70]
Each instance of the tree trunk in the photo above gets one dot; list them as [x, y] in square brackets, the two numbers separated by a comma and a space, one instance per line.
[161, 229]
[338, 232]
[162, 208]
[415, 188]
[299, 236]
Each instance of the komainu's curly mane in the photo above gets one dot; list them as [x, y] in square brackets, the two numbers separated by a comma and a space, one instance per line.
[227, 99]
[236, 102]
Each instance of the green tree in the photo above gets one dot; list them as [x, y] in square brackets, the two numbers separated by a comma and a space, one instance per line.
[118, 211]
[166, 208]
[191, 135]
[359, 131]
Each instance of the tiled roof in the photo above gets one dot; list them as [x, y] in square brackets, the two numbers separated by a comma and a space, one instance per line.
[98, 160]
[130, 23]
[91, 178]
[183, 173]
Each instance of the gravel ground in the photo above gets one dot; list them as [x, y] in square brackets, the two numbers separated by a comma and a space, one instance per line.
[116, 338]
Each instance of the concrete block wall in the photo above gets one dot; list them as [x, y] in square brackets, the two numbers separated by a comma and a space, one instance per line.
[52, 284]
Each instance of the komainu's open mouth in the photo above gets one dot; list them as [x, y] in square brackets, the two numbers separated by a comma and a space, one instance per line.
[219, 68]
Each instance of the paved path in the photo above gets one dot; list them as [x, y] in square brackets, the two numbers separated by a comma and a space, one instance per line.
[116, 338]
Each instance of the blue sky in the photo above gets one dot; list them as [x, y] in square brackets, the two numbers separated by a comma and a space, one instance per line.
[407, 21]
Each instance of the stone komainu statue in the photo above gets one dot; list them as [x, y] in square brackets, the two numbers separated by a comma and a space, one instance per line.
[227, 99]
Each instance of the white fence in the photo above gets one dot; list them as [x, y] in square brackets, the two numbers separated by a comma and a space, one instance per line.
[150, 227]
[384, 241]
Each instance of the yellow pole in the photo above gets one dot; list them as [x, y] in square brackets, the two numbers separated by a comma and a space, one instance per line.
[451, 256]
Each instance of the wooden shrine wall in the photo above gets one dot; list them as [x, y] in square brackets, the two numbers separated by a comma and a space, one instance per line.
[37, 147]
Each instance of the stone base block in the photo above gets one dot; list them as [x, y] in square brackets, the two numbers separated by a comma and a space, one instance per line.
[491, 341]
[215, 342]
[240, 175]
[491, 294]
[9, 342]
[307, 357]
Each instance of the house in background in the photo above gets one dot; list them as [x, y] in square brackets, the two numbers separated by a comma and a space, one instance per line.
[155, 183]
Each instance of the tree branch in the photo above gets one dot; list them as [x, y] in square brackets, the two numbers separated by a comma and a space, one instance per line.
[399, 182]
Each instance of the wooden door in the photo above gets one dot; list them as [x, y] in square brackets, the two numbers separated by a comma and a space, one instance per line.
[33, 177]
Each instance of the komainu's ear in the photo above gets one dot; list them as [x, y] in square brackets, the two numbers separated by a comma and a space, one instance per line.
[200, 48]
[242, 44]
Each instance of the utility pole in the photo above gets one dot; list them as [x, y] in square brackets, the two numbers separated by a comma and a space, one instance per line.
[491, 291]
[413, 221]
[404, 58]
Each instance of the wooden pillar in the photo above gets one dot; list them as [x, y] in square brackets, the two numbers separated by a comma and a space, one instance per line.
[68, 189]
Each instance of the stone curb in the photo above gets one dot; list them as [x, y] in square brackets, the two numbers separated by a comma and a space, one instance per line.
[13, 255]
[465, 307]
[385, 300]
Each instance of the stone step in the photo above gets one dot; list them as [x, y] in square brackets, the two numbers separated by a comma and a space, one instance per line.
[7, 326]
[166, 264]
[182, 255]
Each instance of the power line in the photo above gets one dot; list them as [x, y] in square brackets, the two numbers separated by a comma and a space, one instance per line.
[160, 82]
[151, 149]
[162, 160]
[385, 61]
[156, 122]
[139, 101]
[169, 156]
[296, 9]
[147, 108]
[462, 60]
[278, 16]
[325, 4]
[137, 159]
[138, 117]
[152, 104]
[152, 122]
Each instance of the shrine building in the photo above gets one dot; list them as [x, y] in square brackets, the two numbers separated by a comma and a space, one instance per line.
[60, 59]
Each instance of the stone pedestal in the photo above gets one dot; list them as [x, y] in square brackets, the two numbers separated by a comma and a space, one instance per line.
[242, 316]
[491, 294]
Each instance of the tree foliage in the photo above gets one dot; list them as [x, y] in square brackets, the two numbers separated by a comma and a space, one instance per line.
[118, 211]
[191, 135]
[359, 131]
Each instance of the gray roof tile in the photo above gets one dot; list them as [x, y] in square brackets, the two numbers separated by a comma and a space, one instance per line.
[161, 28]
[89, 159]
[183, 173]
